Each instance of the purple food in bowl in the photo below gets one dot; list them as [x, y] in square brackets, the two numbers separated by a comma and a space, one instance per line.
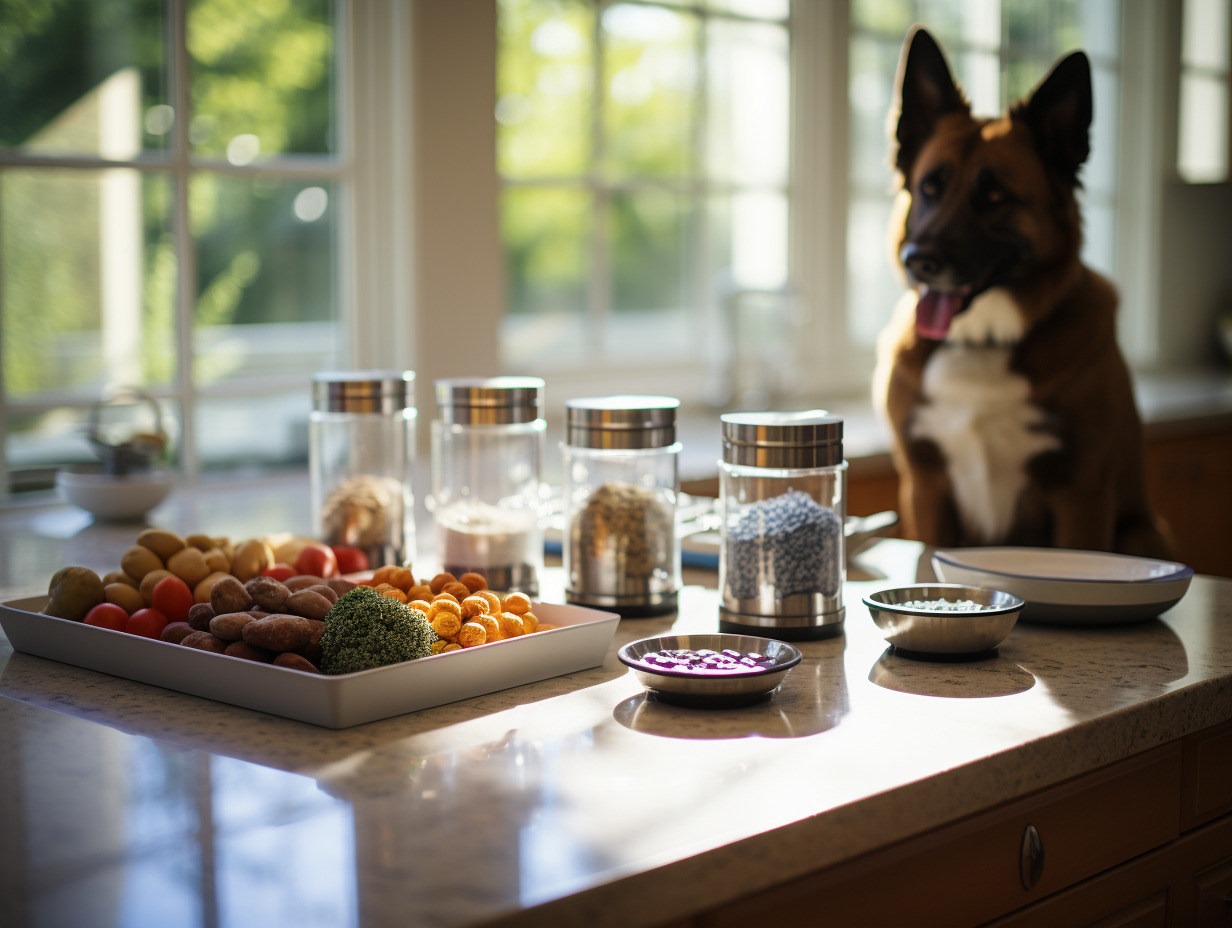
[710, 670]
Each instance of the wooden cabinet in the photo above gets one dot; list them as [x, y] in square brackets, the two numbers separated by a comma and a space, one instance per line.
[1143, 842]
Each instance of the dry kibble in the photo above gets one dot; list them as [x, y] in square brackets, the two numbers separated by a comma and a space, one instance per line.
[204, 641]
[517, 603]
[124, 596]
[246, 651]
[308, 603]
[230, 626]
[189, 565]
[119, 576]
[530, 623]
[295, 662]
[175, 632]
[474, 581]
[510, 625]
[268, 593]
[229, 595]
[162, 543]
[473, 606]
[201, 592]
[446, 625]
[437, 583]
[199, 615]
[149, 581]
[471, 634]
[279, 632]
[490, 626]
[138, 561]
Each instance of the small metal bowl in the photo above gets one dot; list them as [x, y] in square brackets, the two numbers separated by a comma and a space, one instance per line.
[720, 691]
[938, 631]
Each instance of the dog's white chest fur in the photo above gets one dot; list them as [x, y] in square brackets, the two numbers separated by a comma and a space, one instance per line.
[980, 415]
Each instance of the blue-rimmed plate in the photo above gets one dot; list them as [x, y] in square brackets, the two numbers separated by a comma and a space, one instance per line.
[1068, 587]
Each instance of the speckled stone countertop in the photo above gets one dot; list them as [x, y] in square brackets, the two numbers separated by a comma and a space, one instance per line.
[575, 800]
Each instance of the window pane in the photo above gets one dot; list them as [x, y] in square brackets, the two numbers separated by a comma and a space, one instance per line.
[749, 103]
[267, 300]
[760, 9]
[89, 282]
[871, 67]
[1203, 132]
[649, 252]
[259, 430]
[872, 286]
[546, 234]
[84, 77]
[650, 70]
[1204, 42]
[544, 80]
[262, 78]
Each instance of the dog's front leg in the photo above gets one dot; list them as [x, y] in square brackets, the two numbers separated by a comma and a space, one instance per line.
[1084, 518]
[926, 497]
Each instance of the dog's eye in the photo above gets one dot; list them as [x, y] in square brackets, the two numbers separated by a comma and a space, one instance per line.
[994, 196]
[929, 188]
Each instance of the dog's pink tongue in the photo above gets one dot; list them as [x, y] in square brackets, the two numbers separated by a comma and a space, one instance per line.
[934, 312]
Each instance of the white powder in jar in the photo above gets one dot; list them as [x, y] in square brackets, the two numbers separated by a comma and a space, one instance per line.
[481, 535]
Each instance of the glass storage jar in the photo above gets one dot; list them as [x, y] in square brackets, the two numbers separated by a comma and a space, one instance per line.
[487, 451]
[621, 476]
[361, 460]
[782, 494]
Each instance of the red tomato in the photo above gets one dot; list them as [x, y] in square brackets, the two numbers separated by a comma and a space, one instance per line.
[149, 623]
[317, 560]
[350, 560]
[280, 572]
[107, 615]
[172, 597]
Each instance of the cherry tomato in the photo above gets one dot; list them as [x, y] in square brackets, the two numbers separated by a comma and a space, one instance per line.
[350, 560]
[107, 615]
[149, 623]
[172, 597]
[317, 560]
[280, 572]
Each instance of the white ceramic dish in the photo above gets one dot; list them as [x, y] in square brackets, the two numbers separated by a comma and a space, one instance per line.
[1070, 587]
[114, 497]
[581, 641]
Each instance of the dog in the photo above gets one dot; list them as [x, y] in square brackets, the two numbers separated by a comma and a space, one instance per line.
[1010, 405]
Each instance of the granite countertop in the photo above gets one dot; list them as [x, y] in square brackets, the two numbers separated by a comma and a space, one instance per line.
[574, 800]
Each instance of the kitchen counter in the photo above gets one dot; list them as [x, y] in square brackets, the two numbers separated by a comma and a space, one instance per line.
[574, 801]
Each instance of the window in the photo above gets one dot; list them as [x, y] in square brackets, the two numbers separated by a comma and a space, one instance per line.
[1202, 142]
[171, 181]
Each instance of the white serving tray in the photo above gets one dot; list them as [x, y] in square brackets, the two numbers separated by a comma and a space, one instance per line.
[581, 641]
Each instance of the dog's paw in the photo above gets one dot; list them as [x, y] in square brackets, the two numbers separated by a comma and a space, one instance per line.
[993, 318]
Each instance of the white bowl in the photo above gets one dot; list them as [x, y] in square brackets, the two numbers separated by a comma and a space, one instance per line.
[114, 497]
[1062, 586]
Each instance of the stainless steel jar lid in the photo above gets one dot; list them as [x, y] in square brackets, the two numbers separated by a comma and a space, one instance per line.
[621, 422]
[812, 438]
[489, 400]
[363, 391]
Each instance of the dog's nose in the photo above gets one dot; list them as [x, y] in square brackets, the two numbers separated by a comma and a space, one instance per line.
[921, 263]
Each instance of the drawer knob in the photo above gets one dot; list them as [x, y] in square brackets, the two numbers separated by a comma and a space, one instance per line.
[1031, 858]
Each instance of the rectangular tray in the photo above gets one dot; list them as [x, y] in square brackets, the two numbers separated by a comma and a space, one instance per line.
[581, 641]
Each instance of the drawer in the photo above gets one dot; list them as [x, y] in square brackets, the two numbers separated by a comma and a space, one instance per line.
[972, 871]
[1206, 791]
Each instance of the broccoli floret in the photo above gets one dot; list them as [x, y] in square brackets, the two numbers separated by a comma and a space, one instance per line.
[365, 629]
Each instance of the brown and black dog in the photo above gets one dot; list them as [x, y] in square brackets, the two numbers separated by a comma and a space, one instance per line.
[1011, 406]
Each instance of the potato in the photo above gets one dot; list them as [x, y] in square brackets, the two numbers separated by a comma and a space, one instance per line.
[149, 581]
[248, 652]
[119, 576]
[199, 615]
[204, 641]
[309, 604]
[268, 593]
[251, 557]
[161, 542]
[341, 585]
[176, 632]
[201, 592]
[217, 560]
[295, 662]
[200, 542]
[138, 561]
[325, 590]
[189, 565]
[229, 595]
[230, 626]
[74, 591]
[126, 597]
[279, 632]
[303, 581]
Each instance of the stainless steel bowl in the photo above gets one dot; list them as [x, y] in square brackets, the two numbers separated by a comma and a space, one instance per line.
[942, 631]
[736, 689]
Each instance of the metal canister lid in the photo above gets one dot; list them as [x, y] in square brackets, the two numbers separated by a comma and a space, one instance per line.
[812, 438]
[363, 391]
[621, 422]
[489, 400]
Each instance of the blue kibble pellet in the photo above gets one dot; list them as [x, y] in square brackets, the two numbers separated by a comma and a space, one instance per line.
[790, 542]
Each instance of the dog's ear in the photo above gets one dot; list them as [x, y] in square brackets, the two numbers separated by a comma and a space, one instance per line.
[1059, 116]
[924, 92]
